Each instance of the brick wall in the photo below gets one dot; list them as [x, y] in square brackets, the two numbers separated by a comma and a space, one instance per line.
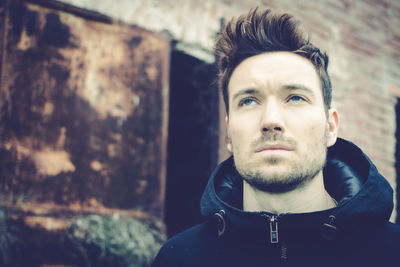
[361, 37]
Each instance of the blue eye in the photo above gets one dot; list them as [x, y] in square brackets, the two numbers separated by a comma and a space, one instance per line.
[296, 98]
[247, 102]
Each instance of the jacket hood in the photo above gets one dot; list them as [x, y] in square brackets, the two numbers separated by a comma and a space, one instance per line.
[364, 198]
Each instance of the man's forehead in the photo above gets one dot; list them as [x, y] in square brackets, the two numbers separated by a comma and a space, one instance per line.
[274, 69]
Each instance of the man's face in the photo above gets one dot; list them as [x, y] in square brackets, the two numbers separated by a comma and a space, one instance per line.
[277, 123]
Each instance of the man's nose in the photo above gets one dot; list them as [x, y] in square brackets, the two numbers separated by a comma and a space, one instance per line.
[271, 118]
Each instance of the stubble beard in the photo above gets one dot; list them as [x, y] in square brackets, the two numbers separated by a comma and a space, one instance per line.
[300, 174]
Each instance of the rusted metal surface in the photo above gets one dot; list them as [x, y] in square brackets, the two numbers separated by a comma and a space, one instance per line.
[84, 108]
[83, 112]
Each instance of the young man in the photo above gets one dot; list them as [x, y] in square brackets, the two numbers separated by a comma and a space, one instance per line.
[293, 193]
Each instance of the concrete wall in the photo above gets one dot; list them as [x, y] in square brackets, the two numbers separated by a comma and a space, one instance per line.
[361, 37]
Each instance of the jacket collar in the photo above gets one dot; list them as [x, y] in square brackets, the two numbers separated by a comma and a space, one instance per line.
[363, 195]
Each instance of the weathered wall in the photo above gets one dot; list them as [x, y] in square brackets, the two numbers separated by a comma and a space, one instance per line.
[361, 37]
[83, 123]
[83, 111]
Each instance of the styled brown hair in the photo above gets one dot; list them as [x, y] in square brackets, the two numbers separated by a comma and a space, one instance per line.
[263, 31]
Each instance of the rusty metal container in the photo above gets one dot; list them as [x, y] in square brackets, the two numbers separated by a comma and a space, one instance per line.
[84, 109]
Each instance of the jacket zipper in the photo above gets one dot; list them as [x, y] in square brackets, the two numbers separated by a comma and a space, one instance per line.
[274, 234]
[273, 228]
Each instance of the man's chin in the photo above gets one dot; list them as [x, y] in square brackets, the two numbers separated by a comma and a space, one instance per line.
[276, 163]
[275, 183]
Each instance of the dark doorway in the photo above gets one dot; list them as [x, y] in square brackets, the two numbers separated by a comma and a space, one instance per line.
[192, 138]
[398, 159]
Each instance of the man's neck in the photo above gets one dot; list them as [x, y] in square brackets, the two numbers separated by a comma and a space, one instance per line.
[310, 197]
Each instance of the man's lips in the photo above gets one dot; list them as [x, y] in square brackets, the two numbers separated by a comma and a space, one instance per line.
[274, 147]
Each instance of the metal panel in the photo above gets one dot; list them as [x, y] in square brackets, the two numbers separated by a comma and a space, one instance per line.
[83, 113]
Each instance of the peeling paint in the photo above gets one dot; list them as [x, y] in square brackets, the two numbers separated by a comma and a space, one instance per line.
[22, 150]
[52, 162]
[25, 42]
[50, 224]
[85, 110]
[61, 138]
[48, 109]
[96, 165]
[83, 129]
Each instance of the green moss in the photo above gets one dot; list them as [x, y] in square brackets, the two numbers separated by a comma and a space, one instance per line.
[113, 241]
[3, 240]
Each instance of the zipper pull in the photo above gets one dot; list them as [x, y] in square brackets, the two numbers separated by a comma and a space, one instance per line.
[273, 229]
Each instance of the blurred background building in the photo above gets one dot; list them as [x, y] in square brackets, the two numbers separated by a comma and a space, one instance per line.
[111, 120]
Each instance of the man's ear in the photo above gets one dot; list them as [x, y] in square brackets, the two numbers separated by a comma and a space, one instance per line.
[333, 126]
[228, 137]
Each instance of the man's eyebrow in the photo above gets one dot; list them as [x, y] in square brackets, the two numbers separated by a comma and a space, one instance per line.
[297, 87]
[245, 92]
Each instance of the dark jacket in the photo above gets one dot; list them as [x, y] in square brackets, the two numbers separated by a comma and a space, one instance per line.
[355, 233]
